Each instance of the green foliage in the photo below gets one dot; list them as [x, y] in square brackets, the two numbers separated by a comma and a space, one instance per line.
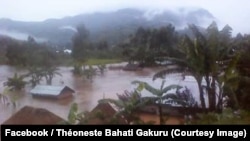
[49, 73]
[128, 103]
[147, 45]
[81, 44]
[8, 100]
[16, 82]
[89, 72]
[157, 92]
[206, 56]
[183, 98]
[95, 61]
[242, 44]
[101, 68]
[38, 73]
[228, 116]
[161, 95]
[30, 53]
[77, 69]
[3, 59]
[4, 99]
[74, 116]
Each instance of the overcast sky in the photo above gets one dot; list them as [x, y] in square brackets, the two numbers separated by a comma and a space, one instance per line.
[236, 13]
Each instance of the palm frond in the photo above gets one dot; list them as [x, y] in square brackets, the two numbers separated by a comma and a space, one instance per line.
[149, 88]
[177, 61]
[163, 73]
[149, 100]
[197, 33]
[118, 103]
[162, 84]
[170, 87]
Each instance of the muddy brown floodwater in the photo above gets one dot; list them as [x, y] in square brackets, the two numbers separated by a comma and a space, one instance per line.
[87, 92]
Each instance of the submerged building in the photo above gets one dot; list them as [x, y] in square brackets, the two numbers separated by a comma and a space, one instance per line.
[49, 91]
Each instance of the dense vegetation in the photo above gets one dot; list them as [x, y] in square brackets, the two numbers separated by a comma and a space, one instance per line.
[217, 60]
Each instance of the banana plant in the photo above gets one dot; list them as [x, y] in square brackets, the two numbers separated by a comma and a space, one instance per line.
[160, 95]
[127, 103]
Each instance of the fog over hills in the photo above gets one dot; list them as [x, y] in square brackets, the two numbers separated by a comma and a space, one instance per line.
[110, 26]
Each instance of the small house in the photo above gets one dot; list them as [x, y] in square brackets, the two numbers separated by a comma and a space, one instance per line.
[57, 92]
[105, 113]
[131, 67]
[32, 116]
[67, 51]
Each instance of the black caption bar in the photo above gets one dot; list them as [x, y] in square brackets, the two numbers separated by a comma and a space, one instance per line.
[9, 132]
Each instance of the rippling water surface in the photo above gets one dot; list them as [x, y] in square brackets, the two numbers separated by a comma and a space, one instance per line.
[87, 92]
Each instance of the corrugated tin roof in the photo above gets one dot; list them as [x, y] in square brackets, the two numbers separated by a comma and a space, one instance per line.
[47, 90]
[114, 106]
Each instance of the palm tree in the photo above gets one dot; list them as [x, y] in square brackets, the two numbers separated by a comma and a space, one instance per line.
[206, 57]
[49, 73]
[230, 82]
[220, 63]
[191, 62]
[160, 94]
[16, 82]
[242, 44]
[4, 99]
[89, 72]
[184, 98]
[36, 75]
[101, 68]
[77, 68]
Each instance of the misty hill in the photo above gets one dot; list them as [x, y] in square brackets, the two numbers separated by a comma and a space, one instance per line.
[110, 26]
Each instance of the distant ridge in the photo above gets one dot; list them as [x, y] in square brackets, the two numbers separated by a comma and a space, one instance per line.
[110, 26]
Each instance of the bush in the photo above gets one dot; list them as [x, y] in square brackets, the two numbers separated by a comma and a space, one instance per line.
[228, 116]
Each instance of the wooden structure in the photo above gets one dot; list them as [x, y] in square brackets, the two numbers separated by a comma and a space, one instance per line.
[31, 116]
[57, 92]
[105, 113]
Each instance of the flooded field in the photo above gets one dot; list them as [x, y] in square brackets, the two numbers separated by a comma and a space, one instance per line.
[87, 93]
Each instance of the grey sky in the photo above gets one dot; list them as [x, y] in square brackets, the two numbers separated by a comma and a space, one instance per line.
[236, 13]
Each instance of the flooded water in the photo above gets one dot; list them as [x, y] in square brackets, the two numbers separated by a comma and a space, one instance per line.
[88, 92]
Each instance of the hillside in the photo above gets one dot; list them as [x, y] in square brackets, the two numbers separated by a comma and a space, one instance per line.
[110, 26]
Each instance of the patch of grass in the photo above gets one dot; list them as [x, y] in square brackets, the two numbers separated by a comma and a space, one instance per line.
[3, 60]
[94, 61]
[228, 116]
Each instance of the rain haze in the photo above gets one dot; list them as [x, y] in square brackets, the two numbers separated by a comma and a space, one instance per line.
[122, 62]
[234, 13]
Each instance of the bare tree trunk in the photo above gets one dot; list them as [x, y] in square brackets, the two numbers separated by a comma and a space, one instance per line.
[220, 99]
[160, 115]
[212, 99]
[203, 104]
[211, 92]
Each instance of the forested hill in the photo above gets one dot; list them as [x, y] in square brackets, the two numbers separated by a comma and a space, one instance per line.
[110, 26]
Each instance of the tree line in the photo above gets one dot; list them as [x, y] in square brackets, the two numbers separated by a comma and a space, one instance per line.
[217, 60]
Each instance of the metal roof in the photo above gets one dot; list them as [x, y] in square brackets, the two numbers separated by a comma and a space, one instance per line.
[48, 90]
